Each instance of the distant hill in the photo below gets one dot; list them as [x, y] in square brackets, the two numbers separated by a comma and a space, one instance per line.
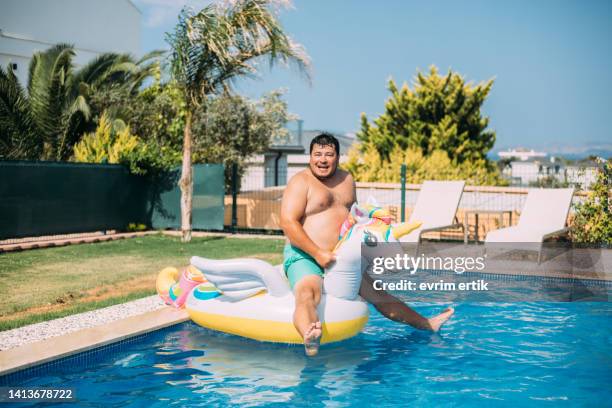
[570, 152]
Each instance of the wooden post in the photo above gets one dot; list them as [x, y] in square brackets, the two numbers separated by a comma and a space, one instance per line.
[234, 197]
[403, 181]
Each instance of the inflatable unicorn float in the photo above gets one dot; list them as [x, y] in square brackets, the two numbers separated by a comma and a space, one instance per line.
[251, 298]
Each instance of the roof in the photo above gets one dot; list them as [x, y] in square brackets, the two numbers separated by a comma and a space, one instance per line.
[536, 162]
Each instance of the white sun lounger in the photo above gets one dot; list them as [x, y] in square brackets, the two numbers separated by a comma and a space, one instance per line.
[436, 208]
[544, 216]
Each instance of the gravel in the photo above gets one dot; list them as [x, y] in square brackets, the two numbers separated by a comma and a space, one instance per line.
[40, 331]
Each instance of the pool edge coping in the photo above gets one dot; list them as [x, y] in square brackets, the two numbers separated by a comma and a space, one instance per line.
[44, 351]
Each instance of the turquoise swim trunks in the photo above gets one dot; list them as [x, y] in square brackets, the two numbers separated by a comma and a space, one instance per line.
[298, 264]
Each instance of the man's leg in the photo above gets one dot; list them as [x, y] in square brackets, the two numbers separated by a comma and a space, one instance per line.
[305, 278]
[394, 309]
[307, 293]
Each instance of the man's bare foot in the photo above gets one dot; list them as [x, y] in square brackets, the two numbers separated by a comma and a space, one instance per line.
[437, 321]
[312, 339]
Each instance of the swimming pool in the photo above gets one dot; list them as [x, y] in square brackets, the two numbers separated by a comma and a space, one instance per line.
[507, 354]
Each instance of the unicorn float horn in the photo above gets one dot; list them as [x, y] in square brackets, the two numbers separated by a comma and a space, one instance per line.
[404, 228]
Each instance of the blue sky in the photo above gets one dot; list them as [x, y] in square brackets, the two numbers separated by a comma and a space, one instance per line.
[551, 60]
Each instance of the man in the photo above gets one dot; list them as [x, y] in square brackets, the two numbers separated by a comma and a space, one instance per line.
[315, 203]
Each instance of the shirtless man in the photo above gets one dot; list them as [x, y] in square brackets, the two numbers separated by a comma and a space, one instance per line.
[315, 203]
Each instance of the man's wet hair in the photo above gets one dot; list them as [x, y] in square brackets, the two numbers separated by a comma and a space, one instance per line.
[325, 139]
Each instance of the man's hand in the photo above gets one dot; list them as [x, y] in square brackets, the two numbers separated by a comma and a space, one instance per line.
[325, 258]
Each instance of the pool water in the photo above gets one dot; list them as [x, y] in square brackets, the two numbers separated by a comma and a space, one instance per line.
[512, 354]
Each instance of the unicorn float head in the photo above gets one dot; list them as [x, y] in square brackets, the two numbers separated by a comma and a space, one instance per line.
[367, 225]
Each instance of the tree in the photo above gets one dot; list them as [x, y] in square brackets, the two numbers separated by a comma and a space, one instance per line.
[235, 128]
[156, 114]
[439, 113]
[212, 48]
[45, 122]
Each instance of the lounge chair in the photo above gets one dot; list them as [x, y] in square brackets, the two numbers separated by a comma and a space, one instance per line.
[436, 208]
[544, 216]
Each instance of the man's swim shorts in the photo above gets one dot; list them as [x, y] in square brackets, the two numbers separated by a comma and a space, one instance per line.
[298, 264]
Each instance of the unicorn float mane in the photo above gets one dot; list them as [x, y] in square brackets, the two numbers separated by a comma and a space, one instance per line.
[373, 218]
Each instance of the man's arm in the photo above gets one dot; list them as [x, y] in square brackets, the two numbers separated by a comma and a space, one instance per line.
[390, 306]
[293, 209]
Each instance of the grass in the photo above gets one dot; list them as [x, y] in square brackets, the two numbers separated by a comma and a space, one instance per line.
[42, 284]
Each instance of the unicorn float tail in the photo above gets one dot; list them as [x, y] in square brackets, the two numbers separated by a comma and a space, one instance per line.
[174, 289]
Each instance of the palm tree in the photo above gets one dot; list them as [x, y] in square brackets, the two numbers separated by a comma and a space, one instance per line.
[45, 122]
[214, 47]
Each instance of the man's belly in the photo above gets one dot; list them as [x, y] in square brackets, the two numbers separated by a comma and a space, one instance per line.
[324, 227]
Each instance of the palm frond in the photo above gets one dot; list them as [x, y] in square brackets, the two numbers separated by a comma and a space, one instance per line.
[46, 88]
[17, 133]
[153, 55]
[72, 120]
[96, 68]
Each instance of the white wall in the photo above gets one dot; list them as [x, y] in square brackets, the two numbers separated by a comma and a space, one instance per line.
[92, 26]
[583, 177]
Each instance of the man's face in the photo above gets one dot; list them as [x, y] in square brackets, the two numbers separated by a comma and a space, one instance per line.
[323, 161]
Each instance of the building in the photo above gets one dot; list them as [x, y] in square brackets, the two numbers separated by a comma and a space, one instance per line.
[532, 172]
[283, 160]
[581, 175]
[551, 172]
[93, 27]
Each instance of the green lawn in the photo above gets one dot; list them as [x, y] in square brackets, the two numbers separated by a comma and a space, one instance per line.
[41, 284]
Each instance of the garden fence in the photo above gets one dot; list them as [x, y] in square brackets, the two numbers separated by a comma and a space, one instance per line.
[255, 203]
[47, 198]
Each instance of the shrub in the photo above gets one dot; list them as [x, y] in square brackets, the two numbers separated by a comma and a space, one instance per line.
[112, 142]
[107, 144]
[135, 227]
[593, 218]
[151, 159]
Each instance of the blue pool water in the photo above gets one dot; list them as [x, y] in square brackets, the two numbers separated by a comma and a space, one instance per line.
[513, 354]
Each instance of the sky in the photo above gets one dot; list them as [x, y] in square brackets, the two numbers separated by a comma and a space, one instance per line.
[551, 61]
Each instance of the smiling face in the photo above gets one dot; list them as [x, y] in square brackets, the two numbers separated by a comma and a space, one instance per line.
[323, 161]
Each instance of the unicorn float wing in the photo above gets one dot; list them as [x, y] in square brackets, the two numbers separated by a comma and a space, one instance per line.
[241, 278]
